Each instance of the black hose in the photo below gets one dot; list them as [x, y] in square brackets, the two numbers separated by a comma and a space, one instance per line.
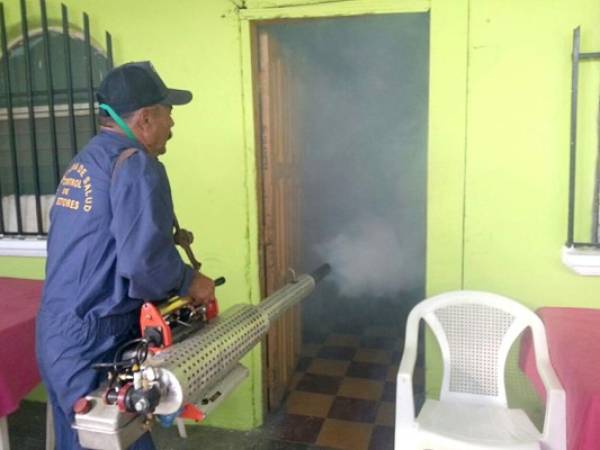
[141, 352]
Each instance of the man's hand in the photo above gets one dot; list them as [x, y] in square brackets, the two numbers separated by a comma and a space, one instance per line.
[202, 289]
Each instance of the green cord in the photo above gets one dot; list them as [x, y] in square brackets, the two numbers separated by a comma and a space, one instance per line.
[111, 112]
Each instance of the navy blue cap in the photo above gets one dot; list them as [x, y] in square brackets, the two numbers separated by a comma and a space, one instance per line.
[135, 85]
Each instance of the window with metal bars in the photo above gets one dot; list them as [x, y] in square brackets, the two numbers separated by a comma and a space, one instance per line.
[581, 251]
[48, 80]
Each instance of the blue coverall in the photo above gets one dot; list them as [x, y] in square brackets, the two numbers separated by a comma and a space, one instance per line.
[110, 247]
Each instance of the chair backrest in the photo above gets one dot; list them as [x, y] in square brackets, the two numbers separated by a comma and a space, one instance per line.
[475, 331]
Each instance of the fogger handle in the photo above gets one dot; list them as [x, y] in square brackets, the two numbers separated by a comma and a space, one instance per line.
[182, 240]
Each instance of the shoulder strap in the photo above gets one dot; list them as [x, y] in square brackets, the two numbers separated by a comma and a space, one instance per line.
[125, 154]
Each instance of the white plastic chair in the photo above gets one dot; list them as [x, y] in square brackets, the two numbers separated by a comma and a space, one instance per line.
[475, 331]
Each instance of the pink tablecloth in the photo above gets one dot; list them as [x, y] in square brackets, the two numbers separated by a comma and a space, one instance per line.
[19, 300]
[574, 343]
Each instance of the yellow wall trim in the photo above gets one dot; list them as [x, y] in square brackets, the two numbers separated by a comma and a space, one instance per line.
[324, 9]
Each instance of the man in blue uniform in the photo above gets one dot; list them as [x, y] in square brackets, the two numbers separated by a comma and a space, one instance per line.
[110, 245]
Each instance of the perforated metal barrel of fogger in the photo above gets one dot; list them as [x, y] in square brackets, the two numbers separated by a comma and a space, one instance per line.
[191, 367]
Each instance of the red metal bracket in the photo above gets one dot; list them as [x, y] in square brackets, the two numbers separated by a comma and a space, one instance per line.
[150, 317]
[192, 412]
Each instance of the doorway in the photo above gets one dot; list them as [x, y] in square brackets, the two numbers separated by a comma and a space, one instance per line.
[342, 151]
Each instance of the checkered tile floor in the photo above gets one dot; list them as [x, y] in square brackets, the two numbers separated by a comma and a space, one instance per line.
[343, 392]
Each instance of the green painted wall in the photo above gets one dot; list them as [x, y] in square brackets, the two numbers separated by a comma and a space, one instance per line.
[498, 141]
[195, 45]
[516, 145]
[29, 268]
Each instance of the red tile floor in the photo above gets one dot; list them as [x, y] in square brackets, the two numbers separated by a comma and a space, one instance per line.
[343, 392]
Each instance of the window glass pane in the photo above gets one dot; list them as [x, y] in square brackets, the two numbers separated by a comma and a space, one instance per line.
[24, 167]
[59, 71]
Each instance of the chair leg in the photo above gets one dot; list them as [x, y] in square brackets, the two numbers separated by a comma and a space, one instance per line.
[181, 427]
[49, 427]
[4, 442]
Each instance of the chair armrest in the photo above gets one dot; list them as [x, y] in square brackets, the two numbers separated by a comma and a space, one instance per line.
[405, 407]
[554, 436]
[407, 364]
[406, 431]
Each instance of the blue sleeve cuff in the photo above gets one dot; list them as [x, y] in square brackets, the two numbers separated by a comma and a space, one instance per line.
[188, 276]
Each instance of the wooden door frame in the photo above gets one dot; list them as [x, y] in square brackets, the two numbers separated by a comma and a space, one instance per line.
[448, 101]
[275, 156]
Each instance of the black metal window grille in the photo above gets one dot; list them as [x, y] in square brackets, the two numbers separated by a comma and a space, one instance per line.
[48, 80]
[578, 57]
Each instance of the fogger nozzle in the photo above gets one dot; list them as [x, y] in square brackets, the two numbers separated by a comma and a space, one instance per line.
[195, 364]
[321, 272]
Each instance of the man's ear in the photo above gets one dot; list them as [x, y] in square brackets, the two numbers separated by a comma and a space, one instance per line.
[135, 121]
[144, 118]
[145, 115]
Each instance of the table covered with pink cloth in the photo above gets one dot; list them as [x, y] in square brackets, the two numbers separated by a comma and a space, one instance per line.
[574, 343]
[19, 301]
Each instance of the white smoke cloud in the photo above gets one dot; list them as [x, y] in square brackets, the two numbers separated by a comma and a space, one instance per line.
[359, 103]
[367, 258]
